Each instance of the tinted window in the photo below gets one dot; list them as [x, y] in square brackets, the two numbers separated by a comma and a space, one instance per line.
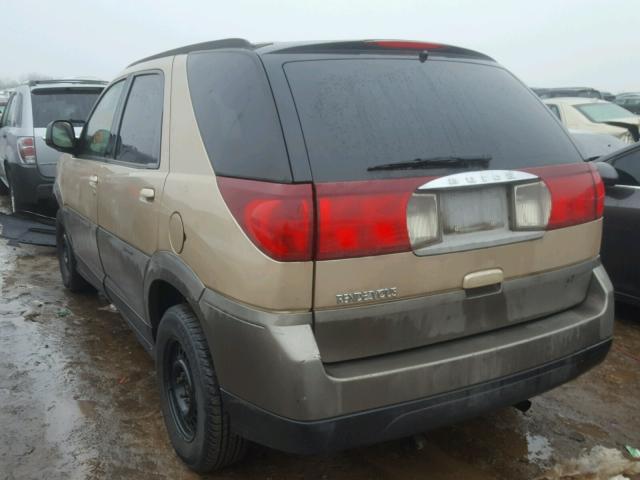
[62, 104]
[555, 110]
[629, 168]
[141, 127]
[97, 133]
[12, 116]
[5, 114]
[357, 113]
[236, 116]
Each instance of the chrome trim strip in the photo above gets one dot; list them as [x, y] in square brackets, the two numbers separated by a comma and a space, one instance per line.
[478, 178]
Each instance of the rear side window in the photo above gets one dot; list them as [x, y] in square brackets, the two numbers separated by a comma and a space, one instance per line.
[141, 127]
[237, 116]
[359, 113]
[13, 115]
[71, 104]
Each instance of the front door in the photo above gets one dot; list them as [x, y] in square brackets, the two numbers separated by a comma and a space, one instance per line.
[621, 233]
[129, 195]
[79, 179]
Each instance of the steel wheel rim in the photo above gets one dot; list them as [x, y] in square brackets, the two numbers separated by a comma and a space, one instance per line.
[66, 253]
[180, 390]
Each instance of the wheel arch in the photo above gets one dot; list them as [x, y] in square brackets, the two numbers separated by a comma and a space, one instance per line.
[168, 282]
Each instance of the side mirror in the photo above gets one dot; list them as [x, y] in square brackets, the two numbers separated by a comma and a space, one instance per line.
[61, 136]
[608, 173]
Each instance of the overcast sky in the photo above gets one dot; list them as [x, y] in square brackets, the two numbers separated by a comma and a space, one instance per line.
[545, 42]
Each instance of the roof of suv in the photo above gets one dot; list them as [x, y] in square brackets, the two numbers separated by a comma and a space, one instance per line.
[65, 83]
[351, 46]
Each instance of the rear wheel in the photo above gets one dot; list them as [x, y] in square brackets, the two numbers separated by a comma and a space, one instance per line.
[4, 190]
[12, 194]
[71, 278]
[196, 421]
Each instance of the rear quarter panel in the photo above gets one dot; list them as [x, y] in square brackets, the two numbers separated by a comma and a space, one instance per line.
[215, 246]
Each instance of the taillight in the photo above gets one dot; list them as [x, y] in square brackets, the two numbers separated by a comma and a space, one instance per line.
[577, 195]
[278, 218]
[363, 218]
[27, 149]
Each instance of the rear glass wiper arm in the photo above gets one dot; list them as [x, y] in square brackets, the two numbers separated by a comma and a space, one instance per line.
[462, 161]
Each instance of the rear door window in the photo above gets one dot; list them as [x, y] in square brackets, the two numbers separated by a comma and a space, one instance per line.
[96, 137]
[359, 113]
[141, 126]
[73, 104]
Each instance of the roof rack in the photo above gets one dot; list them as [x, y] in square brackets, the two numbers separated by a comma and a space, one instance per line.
[212, 45]
[33, 83]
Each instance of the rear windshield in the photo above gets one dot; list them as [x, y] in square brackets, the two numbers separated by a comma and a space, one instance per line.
[359, 113]
[603, 112]
[62, 104]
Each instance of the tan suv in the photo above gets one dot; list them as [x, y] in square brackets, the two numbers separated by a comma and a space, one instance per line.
[333, 244]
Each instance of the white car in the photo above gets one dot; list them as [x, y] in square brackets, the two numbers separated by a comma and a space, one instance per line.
[596, 116]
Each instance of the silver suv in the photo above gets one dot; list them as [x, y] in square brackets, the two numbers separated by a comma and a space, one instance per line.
[27, 164]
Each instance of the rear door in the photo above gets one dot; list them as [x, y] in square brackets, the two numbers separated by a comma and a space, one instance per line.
[433, 184]
[621, 234]
[79, 179]
[130, 191]
[59, 103]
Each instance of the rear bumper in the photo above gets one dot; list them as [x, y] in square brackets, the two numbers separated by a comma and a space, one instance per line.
[405, 419]
[31, 187]
[279, 392]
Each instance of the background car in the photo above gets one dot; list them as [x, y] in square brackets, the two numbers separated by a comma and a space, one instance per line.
[27, 164]
[582, 92]
[596, 116]
[631, 102]
[621, 235]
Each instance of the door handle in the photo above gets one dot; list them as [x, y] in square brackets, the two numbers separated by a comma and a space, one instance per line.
[93, 181]
[147, 194]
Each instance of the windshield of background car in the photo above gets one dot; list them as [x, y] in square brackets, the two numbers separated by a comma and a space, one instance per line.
[62, 104]
[603, 112]
[358, 113]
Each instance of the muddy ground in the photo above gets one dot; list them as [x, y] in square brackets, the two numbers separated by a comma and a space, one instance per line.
[78, 400]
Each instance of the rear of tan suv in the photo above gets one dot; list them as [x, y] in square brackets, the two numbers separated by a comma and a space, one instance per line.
[451, 235]
[376, 238]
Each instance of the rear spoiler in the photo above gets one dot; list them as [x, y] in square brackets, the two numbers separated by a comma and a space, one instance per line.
[633, 129]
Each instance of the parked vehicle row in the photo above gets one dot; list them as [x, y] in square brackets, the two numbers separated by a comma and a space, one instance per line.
[333, 244]
[596, 116]
[27, 164]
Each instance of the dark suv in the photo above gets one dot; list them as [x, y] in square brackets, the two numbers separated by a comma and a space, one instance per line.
[332, 244]
[27, 164]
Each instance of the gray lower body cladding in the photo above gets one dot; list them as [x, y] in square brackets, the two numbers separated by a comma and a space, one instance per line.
[397, 421]
[31, 187]
[272, 361]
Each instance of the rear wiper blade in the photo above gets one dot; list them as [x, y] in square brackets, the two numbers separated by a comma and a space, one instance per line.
[462, 161]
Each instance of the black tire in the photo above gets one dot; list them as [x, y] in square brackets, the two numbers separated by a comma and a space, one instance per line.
[67, 260]
[4, 190]
[196, 421]
[13, 202]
